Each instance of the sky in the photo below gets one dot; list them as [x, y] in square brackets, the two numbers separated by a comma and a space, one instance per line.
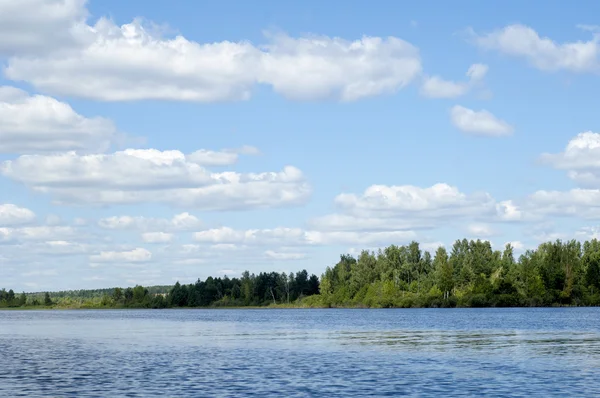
[149, 142]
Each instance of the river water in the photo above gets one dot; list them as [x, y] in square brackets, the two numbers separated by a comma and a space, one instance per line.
[301, 353]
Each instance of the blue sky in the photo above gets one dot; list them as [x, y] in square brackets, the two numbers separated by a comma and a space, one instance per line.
[145, 143]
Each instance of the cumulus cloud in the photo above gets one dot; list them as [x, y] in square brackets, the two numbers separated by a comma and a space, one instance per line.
[588, 233]
[583, 203]
[179, 222]
[379, 238]
[36, 27]
[149, 175]
[157, 237]
[108, 62]
[508, 210]
[581, 158]
[480, 122]
[55, 248]
[298, 237]
[480, 230]
[389, 200]
[542, 52]
[121, 63]
[383, 207]
[226, 157]
[39, 123]
[131, 256]
[11, 214]
[437, 87]
[40, 233]
[321, 67]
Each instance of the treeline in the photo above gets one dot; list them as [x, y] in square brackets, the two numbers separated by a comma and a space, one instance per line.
[249, 290]
[471, 275]
[9, 299]
[96, 293]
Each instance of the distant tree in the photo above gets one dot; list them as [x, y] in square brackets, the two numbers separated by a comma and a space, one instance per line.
[179, 295]
[22, 300]
[444, 270]
[139, 293]
[313, 285]
[301, 283]
[47, 300]
[117, 295]
[592, 274]
[105, 301]
[128, 295]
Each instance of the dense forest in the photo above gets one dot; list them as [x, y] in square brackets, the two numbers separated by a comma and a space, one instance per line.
[249, 290]
[472, 274]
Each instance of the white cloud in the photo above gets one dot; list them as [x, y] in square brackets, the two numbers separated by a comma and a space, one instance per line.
[581, 157]
[507, 210]
[226, 235]
[344, 222]
[284, 255]
[480, 230]
[26, 253]
[320, 67]
[298, 237]
[479, 122]
[11, 214]
[380, 238]
[588, 233]
[149, 175]
[383, 207]
[179, 222]
[226, 157]
[121, 63]
[157, 237]
[391, 200]
[56, 248]
[542, 52]
[580, 160]
[40, 233]
[583, 203]
[131, 256]
[212, 158]
[43, 124]
[129, 62]
[437, 87]
[477, 72]
[517, 245]
[40, 26]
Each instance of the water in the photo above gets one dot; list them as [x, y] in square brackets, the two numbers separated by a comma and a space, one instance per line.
[301, 353]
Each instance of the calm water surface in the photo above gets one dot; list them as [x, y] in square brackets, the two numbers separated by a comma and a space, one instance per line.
[301, 353]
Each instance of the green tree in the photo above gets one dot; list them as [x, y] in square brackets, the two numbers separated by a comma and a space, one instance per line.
[22, 300]
[47, 300]
[444, 271]
[117, 295]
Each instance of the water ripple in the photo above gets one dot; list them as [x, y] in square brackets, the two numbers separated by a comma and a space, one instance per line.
[292, 353]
